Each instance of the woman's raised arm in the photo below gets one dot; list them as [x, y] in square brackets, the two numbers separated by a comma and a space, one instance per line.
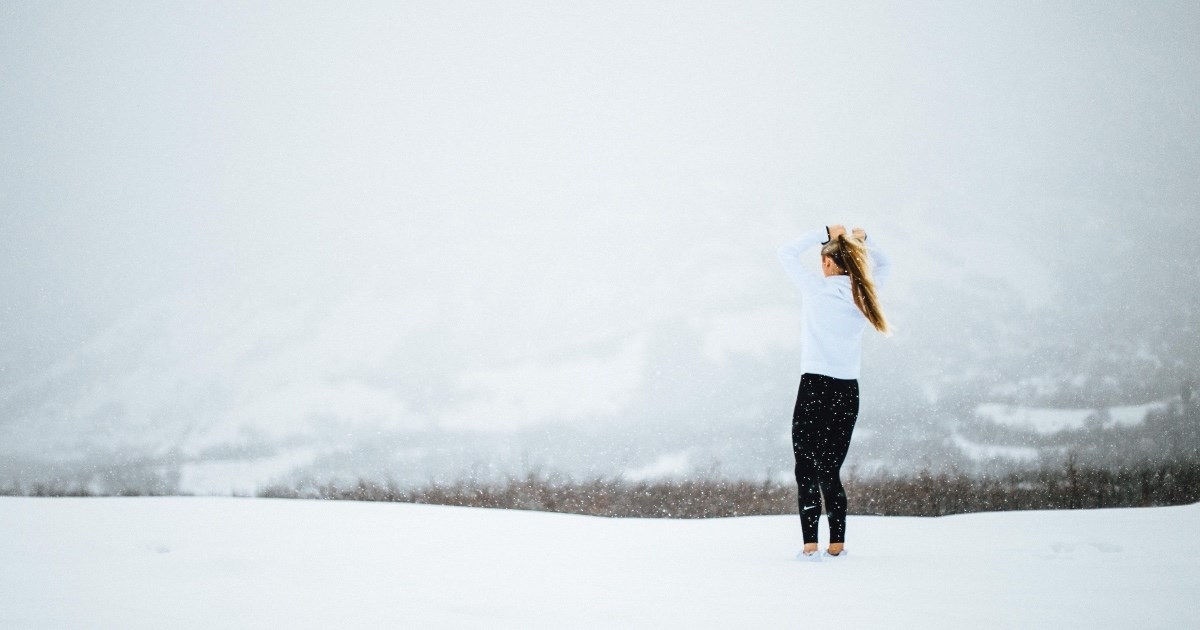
[789, 255]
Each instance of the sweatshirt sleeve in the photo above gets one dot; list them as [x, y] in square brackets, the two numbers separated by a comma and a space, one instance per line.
[789, 255]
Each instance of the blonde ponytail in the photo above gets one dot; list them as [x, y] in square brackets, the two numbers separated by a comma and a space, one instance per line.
[850, 254]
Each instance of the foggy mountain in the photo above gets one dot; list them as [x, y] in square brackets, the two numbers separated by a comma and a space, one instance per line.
[250, 243]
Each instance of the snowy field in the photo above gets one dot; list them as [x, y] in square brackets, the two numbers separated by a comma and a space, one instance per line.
[1046, 420]
[262, 563]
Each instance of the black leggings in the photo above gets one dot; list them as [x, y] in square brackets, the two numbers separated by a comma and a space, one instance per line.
[826, 409]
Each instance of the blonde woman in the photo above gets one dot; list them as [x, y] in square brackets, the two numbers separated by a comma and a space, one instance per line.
[836, 307]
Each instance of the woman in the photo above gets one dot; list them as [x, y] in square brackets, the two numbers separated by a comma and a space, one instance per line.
[835, 309]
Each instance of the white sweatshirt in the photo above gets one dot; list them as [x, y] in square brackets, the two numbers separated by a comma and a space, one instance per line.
[831, 326]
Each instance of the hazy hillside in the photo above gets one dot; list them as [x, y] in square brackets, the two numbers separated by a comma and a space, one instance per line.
[242, 244]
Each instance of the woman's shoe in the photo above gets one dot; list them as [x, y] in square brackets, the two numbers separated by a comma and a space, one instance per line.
[835, 556]
[808, 556]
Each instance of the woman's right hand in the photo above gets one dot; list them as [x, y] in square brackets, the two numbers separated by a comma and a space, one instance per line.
[835, 231]
[859, 234]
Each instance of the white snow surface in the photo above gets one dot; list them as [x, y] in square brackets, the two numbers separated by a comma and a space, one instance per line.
[240, 476]
[1047, 420]
[184, 562]
[669, 465]
[983, 452]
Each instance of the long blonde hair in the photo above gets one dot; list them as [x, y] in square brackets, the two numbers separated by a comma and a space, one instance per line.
[850, 255]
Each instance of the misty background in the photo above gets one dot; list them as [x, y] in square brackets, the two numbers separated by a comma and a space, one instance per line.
[247, 243]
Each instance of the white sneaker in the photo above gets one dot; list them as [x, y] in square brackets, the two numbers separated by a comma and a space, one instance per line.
[811, 556]
[841, 554]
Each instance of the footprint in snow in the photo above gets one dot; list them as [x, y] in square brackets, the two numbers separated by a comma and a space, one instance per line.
[1062, 547]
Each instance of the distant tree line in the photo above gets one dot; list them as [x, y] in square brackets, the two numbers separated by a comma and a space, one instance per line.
[1070, 486]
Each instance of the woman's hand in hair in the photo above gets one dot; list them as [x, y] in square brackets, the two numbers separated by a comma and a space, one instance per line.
[860, 234]
[836, 231]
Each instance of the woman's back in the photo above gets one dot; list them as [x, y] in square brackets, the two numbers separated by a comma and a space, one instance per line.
[831, 329]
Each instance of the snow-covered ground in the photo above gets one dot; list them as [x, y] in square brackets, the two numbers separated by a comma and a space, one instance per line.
[260, 563]
[981, 452]
[1045, 420]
